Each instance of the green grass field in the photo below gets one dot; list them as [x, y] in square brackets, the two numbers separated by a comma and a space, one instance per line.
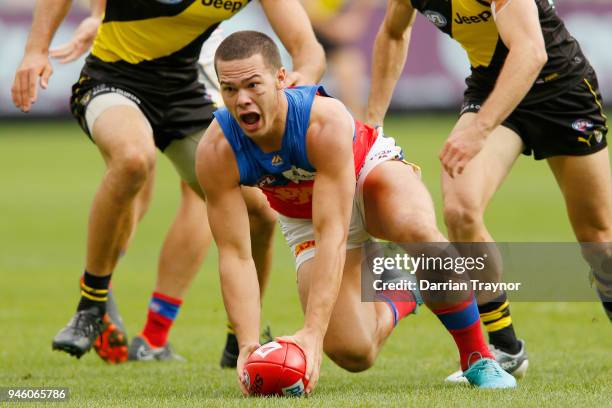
[48, 175]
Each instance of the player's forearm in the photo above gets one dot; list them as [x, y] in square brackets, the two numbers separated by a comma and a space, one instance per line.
[309, 60]
[48, 14]
[325, 282]
[389, 57]
[521, 69]
[241, 296]
[307, 55]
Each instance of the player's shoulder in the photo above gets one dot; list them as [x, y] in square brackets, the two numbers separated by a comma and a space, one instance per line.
[328, 109]
[329, 122]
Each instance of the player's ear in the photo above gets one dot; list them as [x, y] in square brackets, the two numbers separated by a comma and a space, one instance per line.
[281, 76]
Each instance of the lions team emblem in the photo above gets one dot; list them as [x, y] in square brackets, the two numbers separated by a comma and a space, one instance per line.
[296, 174]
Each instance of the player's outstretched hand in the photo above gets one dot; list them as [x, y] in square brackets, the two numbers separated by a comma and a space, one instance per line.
[244, 354]
[80, 43]
[35, 64]
[311, 343]
[461, 147]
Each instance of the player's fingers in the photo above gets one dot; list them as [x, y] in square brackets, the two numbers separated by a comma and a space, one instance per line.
[453, 162]
[290, 80]
[449, 162]
[294, 79]
[444, 157]
[24, 84]
[32, 85]
[459, 167]
[310, 375]
[444, 152]
[242, 385]
[62, 50]
[288, 339]
[462, 163]
[16, 92]
[309, 366]
[312, 381]
[44, 77]
[72, 56]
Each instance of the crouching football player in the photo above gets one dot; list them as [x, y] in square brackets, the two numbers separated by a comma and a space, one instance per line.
[335, 183]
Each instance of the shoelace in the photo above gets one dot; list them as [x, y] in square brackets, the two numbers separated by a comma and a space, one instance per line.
[492, 370]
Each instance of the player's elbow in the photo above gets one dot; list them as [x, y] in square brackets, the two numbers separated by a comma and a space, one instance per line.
[540, 56]
[535, 53]
[318, 55]
[391, 34]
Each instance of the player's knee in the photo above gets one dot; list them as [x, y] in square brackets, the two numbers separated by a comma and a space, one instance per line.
[133, 167]
[461, 218]
[597, 230]
[421, 231]
[412, 230]
[352, 359]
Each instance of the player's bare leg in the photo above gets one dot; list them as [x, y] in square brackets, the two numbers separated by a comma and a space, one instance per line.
[125, 141]
[369, 323]
[185, 246]
[393, 191]
[587, 188]
[111, 344]
[467, 195]
[182, 254]
[466, 198]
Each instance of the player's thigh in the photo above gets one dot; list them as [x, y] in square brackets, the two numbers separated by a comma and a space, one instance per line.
[472, 190]
[587, 188]
[397, 205]
[182, 154]
[120, 131]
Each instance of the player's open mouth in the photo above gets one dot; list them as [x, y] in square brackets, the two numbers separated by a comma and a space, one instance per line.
[250, 120]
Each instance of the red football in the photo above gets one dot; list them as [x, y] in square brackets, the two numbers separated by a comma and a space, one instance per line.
[276, 368]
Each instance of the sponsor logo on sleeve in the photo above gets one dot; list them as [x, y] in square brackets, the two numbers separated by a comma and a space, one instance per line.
[436, 18]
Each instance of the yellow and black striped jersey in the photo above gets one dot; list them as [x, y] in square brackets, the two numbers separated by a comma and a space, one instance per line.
[472, 24]
[156, 40]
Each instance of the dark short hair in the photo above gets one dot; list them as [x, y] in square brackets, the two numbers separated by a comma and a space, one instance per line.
[245, 44]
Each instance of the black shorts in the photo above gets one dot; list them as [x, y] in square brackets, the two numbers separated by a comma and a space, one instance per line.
[173, 112]
[571, 124]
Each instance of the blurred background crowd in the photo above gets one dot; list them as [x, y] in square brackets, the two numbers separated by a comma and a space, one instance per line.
[432, 80]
